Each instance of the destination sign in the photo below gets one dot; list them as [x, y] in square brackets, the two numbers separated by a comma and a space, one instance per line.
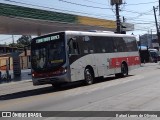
[46, 39]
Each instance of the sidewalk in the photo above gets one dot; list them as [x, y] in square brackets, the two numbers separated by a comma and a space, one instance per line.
[25, 75]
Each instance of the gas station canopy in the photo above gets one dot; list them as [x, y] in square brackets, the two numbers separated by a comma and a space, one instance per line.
[18, 20]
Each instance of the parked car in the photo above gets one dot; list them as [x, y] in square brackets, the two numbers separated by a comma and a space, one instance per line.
[154, 54]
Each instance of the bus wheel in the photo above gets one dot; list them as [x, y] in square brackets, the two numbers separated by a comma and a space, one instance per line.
[88, 76]
[124, 70]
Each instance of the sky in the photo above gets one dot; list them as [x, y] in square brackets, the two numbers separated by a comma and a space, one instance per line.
[138, 12]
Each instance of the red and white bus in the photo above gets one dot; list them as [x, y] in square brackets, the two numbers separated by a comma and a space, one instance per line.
[68, 56]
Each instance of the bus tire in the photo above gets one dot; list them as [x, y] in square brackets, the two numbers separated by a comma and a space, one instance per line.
[88, 76]
[124, 70]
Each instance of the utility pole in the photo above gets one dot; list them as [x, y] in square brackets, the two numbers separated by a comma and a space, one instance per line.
[117, 3]
[154, 9]
[118, 19]
[159, 7]
[12, 39]
[158, 34]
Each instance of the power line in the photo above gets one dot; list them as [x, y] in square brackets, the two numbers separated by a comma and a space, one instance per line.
[141, 3]
[124, 3]
[141, 29]
[83, 5]
[136, 12]
[146, 28]
[141, 14]
[70, 10]
[137, 18]
[94, 2]
[99, 7]
[140, 21]
[143, 22]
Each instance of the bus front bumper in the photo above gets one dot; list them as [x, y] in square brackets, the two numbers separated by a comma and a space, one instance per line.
[51, 80]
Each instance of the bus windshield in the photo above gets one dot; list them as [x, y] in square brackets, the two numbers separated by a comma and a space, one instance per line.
[47, 55]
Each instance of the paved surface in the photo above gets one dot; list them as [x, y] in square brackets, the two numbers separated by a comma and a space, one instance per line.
[138, 92]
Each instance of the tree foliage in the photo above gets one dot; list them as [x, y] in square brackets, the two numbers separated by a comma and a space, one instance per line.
[23, 41]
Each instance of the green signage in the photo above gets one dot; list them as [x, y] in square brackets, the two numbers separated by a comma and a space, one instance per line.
[46, 39]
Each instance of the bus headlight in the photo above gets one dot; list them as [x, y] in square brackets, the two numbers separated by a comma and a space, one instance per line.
[33, 75]
[60, 71]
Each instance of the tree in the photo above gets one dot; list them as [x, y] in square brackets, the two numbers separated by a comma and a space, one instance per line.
[24, 40]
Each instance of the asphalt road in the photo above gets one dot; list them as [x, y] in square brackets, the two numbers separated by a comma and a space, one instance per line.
[138, 92]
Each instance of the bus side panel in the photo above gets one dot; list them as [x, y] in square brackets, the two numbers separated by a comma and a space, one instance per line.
[78, 65]
[132, 60]
[102, 64]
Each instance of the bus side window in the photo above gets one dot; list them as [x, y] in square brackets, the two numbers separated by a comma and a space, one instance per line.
[73, 47]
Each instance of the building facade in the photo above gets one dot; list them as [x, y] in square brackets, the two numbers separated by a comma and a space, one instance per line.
[148, 40]
[6, 57]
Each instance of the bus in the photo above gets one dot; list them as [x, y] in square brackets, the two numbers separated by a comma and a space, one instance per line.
[68, 56]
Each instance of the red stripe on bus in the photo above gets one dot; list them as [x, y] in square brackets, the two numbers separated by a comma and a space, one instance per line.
[131, 61]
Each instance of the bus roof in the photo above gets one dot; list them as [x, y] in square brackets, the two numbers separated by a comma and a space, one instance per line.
[92, 33]
[99, 33]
